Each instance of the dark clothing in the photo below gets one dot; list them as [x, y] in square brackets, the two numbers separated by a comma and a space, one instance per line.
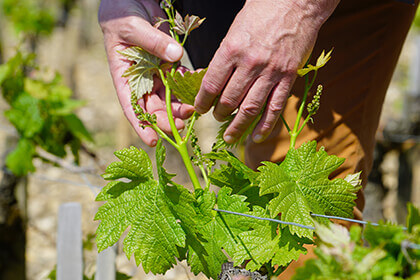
[201, 45]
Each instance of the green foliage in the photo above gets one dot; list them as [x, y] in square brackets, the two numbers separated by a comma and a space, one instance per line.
[302, 186]
[266, 243]
[341, 255]
[142, 205]
[20, 159]
[29, 16]
[42, 112]
[185, 86]
[165, 218]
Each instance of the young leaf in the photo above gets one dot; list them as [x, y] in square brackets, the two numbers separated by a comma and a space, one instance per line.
[186, 86]
[141, 72]
[230, 158]
[186, 25]
[321, 61]
[142, 205]
[237, 176]
[303, 187]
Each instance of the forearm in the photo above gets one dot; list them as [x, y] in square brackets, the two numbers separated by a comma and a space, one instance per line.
[319, 10]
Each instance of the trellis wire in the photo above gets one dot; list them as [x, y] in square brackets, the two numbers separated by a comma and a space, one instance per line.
[297, 224]
[264, 219]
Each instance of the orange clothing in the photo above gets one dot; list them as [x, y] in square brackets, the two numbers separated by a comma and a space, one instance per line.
[367, 37]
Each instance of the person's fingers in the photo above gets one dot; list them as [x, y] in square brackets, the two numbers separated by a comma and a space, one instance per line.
[162, 122]
[249, 109]
[155, 105]
[181, 110]
[137, 31]
[232, 95]
[218, 73]
[275, 105]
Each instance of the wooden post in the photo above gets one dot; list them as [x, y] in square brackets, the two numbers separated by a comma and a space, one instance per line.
[105, 264]
[69, 242]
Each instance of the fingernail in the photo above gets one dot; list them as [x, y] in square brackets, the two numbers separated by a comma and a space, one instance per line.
[229, 139]
[258, 138]
[153, 143]
[173, 52]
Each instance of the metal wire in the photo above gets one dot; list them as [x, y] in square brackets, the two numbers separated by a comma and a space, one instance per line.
[300, 225]
[264, 219]
[344, 219]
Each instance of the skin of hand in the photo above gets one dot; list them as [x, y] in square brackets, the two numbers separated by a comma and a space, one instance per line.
[257, 62]
[127, 23]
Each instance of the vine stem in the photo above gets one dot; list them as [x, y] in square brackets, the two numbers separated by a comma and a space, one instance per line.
[296, 129]
[191, 126]
[163, 135]
[180, 145]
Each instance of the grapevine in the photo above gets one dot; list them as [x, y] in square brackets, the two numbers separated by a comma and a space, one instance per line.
[168, 222]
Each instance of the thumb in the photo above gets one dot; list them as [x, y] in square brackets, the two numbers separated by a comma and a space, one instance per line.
[142, 33]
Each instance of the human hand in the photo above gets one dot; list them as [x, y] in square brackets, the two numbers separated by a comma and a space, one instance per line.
[257, 62]
[127, 23]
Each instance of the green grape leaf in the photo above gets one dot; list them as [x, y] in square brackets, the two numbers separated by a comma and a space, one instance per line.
[19, 161]
[220, 231]
[259, 243]
[141, 72]
[134, 165]
[289, 248]
[238, 165]
[204, 254]
[77, 128]
[141, 204]
[25, 115]
[237, 176]
[302, 186]
[186, 86]
[265, 242]
[387, 235]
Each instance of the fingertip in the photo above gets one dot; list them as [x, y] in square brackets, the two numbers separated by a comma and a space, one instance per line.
[229, 139]
[183, 111]
[179, 124]
[173, 52]
[258, 138]
[147, 135]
